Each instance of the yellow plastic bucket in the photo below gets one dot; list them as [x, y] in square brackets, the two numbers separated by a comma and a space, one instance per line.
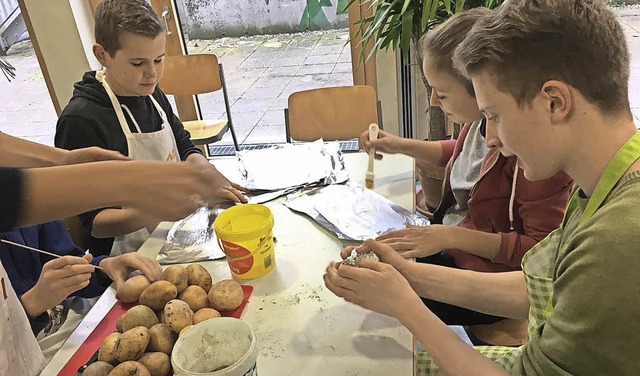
[245, 234]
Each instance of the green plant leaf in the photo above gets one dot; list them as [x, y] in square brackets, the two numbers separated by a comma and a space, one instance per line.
[405, 37]
[459, 5]
[405, 6]
[424, 20]
[434, 9]
[447, 6]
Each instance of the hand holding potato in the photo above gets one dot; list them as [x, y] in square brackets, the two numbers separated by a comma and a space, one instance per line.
[374, 285]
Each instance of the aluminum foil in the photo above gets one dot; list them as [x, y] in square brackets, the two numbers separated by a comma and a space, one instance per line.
[292, 166]
[192, 239]
[353, 212]
[351, 260]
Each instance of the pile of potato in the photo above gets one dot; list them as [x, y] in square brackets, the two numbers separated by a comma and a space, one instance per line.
[167, 308]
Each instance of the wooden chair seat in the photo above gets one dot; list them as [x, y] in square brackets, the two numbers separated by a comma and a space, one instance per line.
[206, 131]
[508, 332]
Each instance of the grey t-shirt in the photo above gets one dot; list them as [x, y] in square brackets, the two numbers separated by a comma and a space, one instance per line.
[465, 173]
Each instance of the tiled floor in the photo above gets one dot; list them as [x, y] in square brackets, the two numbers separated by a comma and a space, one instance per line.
[261, 72]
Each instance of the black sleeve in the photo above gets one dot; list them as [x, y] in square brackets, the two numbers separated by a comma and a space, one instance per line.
[182, 136]
[11, 199]
[73, 133]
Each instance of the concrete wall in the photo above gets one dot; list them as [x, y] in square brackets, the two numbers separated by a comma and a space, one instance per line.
[205, 19]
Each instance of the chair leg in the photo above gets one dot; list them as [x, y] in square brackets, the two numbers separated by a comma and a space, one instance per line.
[228, 108]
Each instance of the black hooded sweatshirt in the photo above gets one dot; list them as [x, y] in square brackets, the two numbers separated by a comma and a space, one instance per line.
[90, 120]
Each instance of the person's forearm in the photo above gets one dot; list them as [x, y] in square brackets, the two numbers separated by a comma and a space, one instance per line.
[479, 243]
[198, 158]
[21, 153]
[113, 222]
[453, 356]
[426, 151]
[499, 294]
[59, 192]
[32, 305]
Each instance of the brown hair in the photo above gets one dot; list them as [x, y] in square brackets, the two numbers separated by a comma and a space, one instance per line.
[440, 42]
[113, 17]
[526, 43]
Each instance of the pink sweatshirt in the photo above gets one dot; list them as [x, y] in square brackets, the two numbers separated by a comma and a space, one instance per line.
[521, 211]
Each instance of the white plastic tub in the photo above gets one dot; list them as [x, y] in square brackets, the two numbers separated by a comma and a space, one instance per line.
[222, 346]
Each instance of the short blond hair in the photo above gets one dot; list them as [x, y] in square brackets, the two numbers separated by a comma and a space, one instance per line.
[525, 43]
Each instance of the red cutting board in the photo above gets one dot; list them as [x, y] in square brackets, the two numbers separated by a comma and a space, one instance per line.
[108, 326]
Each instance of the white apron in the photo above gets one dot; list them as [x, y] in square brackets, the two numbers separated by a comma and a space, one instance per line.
[157, 146]
[19, 351]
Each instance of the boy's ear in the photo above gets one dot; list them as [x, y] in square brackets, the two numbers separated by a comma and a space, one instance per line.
[558, 98]
[100, 53]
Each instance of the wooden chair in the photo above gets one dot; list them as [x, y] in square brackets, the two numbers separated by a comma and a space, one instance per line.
[199, 74]
[79, 234]
[332, 113]
[508, 332]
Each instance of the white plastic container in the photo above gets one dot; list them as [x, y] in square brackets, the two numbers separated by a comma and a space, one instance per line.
[222, 346]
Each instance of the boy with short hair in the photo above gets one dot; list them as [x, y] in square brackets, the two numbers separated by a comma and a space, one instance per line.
[551, 77]
[121, 108]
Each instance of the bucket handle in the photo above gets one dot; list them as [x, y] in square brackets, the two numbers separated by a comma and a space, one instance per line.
[231, 258]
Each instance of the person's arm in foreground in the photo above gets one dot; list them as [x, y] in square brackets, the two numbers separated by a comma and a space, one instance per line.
[26, 154]
[167, 191]
[380, 287]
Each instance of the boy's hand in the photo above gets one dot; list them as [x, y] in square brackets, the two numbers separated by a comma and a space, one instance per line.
[60, 278]
[118, 268]
[386, 143]
[91, 154]
[387, 254]
[374, 285]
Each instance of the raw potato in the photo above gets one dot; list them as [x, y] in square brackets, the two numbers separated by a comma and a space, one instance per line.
[195, 297]
[161, 316]
[161, 339]
[139, 315]
[158, 294]
[98, 369]
[119, 325]
[176, 274]
[130, 290]
[132, 344]
[226, 295]
[198, 275]
[157, 363]
[130, 368]
[107, 352]
[177, 314]
[205, 314]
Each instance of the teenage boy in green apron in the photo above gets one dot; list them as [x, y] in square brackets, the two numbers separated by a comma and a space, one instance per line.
[121, 108]
[551, 77]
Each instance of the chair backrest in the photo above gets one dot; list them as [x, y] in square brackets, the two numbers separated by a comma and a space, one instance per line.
[191, 74]
[332, 113]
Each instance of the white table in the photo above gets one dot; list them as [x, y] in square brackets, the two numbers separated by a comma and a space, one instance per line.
[302, 328]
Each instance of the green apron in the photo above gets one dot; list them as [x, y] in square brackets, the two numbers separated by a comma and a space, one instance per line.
[538, 263]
